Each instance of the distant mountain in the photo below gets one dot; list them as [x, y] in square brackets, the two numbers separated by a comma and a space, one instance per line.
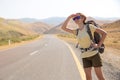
[39, 27]
[110, 19]
[115, 24]
[29, 20]
[58, 20]
[100, 21]
[53, 20]
[57, 29]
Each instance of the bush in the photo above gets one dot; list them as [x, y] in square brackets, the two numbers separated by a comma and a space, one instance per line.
[3, 42]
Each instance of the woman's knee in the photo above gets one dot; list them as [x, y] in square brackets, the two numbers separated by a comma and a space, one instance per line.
[88, 73]
[99, 73]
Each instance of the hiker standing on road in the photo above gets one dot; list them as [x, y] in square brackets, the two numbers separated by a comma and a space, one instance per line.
[90, 58]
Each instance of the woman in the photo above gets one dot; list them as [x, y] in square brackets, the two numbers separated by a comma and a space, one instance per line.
[90, 58]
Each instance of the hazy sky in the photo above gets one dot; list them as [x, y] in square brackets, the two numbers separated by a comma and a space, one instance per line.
[61, 8]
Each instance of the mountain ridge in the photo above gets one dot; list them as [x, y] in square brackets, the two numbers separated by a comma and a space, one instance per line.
[58, 20]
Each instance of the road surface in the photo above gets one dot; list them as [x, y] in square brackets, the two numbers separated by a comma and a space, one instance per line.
[46, 59]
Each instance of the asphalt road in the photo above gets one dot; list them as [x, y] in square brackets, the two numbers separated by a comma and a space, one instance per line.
[46, 59]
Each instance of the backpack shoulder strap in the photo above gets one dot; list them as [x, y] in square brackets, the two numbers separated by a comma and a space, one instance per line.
[89, 32]
[77, 30]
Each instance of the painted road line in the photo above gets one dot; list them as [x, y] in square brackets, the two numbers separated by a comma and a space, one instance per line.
[33, 53]
[79, 66]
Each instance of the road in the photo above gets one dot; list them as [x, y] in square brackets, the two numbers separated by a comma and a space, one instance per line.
[46, 59]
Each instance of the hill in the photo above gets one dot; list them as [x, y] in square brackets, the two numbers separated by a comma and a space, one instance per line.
[35, 27]
[53, 21]
[28, 20]
[15, 30]
[100, 21]
[115, 24]
[39, 27]
[58, 20]
[113, 30]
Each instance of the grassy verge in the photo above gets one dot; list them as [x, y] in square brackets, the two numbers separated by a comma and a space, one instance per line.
[25, 40]
[12, 40]
[11, 36]
[113, 38]
[68, 37]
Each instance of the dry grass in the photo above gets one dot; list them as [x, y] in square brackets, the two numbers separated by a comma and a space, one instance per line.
[113, 37]
[18, 44]
[68, 37]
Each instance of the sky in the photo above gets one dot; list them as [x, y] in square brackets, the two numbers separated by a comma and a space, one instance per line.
[40, 9]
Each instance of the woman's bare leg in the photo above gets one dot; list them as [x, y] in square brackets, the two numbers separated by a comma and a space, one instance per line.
[88, 73]
[98, 72]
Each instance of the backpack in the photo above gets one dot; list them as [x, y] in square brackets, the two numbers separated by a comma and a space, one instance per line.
[95, 38]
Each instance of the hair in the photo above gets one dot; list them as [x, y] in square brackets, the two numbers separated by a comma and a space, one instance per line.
[83, 16]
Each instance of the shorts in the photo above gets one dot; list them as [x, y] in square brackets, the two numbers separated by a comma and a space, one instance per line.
[94, 61]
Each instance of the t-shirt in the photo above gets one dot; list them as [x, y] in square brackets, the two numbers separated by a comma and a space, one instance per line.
[85, 41]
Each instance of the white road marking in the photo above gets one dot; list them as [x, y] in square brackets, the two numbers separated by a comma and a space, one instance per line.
[33, 53]
[79, 66]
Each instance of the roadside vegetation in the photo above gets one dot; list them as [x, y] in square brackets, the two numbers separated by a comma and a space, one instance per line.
[68, 37]
[113, 40]
[14, 37]
[113, 34]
